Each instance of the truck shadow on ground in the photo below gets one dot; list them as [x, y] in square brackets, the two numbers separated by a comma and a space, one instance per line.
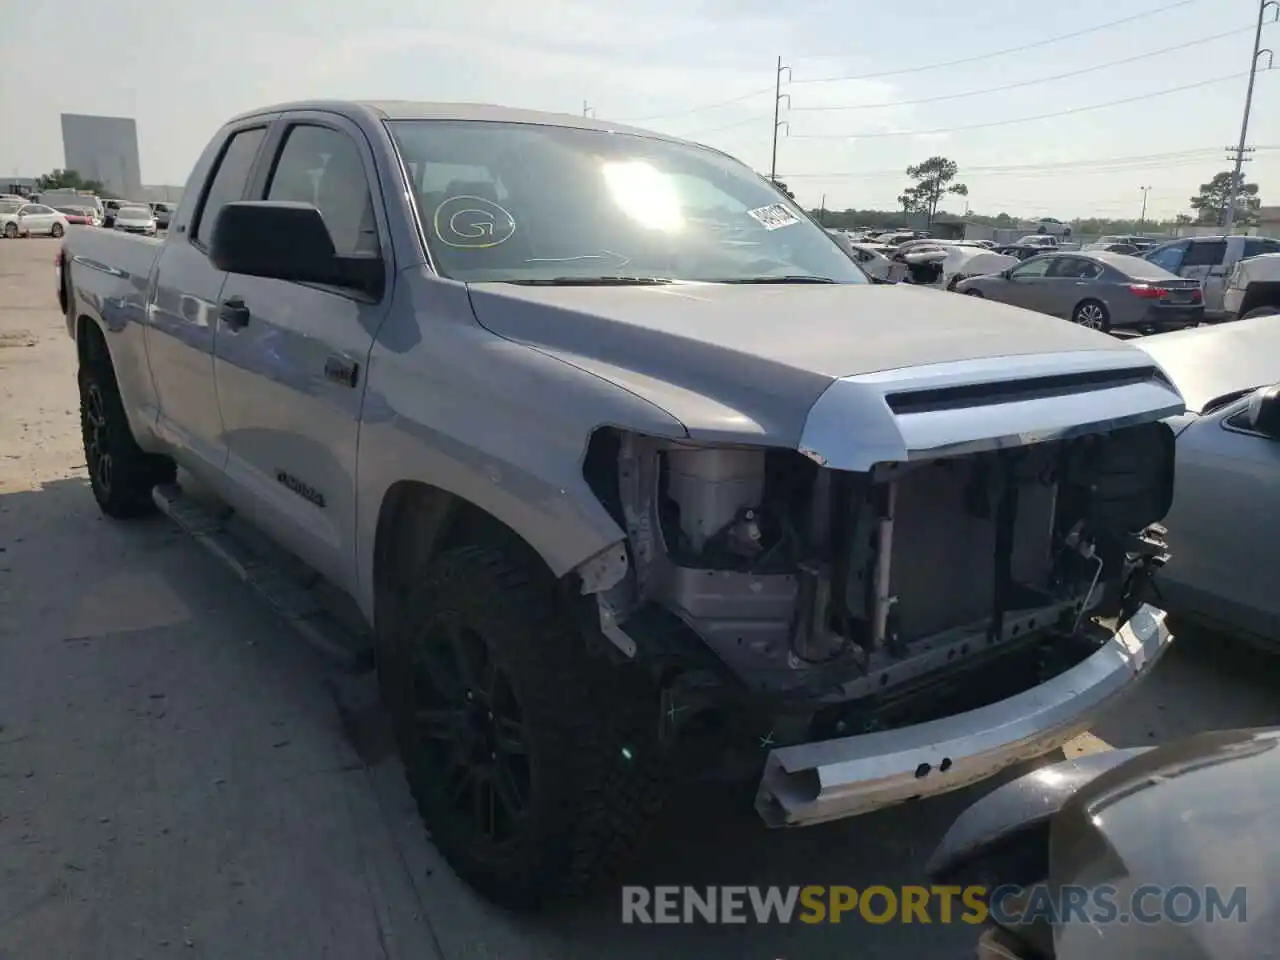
[66, 574]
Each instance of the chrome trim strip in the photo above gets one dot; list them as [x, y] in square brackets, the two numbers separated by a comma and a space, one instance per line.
[851, 426]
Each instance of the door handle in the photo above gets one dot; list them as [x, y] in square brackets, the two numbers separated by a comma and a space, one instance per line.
[341, 369]
[234, 313]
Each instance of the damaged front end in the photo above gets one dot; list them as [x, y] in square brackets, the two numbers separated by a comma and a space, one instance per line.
[917, 597]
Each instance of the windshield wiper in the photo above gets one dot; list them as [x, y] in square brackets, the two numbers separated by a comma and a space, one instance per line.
[1217, 403]
[796, 278]
[593, 281]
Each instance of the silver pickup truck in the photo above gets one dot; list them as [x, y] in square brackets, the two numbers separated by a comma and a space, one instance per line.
[632, 473]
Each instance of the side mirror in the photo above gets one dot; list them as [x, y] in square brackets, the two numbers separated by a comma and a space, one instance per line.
[287, 241]
[1263, 412]
[1006, 273]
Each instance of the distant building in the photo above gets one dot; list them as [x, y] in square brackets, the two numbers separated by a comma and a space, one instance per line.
[1269, 221]
[104, 149]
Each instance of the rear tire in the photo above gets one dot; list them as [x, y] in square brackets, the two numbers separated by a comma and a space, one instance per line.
[56, 231]
[121, 474]
[535, 766]
[1092, 314]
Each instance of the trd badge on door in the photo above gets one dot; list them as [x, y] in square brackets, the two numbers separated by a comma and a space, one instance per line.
[301, 489]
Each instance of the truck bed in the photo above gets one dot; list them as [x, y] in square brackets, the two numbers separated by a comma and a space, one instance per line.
[107, 265]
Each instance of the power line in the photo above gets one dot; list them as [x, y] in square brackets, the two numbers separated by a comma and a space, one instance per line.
[1034, 168]
[976, 58]
[918, 69]
[1029, 83]
[706, 106]
[1015, 120]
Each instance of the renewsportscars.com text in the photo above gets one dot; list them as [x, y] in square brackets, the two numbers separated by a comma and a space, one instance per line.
[1007, 905]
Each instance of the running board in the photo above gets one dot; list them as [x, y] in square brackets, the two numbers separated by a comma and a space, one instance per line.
[295, 604]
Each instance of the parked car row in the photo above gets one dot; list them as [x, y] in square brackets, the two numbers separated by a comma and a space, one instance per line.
[22, 218]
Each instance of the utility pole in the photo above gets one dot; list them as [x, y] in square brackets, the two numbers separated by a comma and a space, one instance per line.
[1238, 153]
[778, 97]
[822, 212]
[587, 109]
[1142, 218]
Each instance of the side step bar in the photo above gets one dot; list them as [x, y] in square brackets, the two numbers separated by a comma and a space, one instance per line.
[291, 601]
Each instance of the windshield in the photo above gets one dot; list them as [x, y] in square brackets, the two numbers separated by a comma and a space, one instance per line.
[10, 206]
[532, 203]
[135, 213]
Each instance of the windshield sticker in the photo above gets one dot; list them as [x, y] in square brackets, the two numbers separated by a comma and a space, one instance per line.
[773, 216]
[472, 223]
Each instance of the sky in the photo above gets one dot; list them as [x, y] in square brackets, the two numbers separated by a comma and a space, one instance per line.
[872, 86]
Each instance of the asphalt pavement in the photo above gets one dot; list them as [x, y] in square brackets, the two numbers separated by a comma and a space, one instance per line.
[180, 776]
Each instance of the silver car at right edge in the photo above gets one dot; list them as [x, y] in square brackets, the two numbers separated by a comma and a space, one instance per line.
[1222, 527]
[1097, 289]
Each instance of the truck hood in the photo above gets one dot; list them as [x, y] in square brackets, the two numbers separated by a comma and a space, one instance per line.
[1207, 362]
[749, 362]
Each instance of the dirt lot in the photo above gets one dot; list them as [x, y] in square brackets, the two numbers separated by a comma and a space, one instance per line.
[177, 778]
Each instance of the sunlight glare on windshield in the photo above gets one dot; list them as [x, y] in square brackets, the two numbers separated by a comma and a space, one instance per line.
[644, 194]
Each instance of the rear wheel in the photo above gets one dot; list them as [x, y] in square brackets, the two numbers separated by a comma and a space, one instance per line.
[1092, 314]
[56, 231]
[121, 474]
[534, 767]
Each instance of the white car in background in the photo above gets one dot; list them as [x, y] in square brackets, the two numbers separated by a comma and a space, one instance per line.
[30, 220]
[136, 218]
[873, 258]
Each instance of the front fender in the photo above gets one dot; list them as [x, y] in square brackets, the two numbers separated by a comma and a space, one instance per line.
[1016, 809]
[500, 425]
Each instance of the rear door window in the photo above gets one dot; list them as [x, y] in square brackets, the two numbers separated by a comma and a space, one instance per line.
[1206, 253]
[229, 181]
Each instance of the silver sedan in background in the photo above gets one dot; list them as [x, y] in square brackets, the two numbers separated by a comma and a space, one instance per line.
[1105, 291]
[1223, 528]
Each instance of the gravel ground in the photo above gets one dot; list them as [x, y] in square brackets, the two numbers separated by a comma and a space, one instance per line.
[178, 778]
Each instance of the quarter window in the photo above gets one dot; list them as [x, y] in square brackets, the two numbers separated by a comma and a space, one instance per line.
[229, 180]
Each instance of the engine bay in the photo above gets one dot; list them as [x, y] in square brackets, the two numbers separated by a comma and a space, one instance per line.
[831, 586]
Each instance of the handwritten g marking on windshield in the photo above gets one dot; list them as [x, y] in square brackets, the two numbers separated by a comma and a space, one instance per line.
[472, 223]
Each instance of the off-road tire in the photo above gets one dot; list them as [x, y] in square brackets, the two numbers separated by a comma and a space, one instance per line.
[56, 231]
[121, 474]
[596, 776]
[1090, 312]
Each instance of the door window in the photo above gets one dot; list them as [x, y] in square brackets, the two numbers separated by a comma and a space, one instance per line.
[1256, 246]
[322, 167]
[229, 180]
[1206, 253]
[1074, 268]
[1170, 257]
[1033, 269]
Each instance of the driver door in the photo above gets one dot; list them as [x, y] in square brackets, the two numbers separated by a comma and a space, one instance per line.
[1026, 285]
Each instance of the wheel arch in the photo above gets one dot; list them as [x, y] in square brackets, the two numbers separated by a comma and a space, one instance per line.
[1260, 294]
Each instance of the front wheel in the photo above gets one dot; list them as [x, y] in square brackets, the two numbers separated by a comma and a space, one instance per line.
[973, 293]
[1092, 314]
[11, 230]
[533, 766]
[56, 231]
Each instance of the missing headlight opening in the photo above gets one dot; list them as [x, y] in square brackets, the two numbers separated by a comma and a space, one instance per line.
[852, 602]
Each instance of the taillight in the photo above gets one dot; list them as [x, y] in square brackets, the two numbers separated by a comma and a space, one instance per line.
[1146, 291]
[1195, 295]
